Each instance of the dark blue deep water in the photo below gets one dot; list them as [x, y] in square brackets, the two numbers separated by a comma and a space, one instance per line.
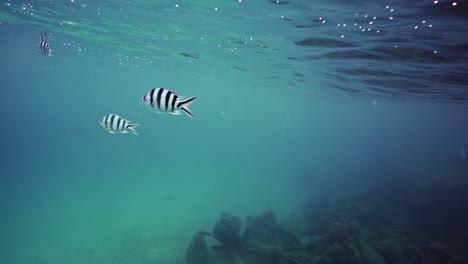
[323, 132]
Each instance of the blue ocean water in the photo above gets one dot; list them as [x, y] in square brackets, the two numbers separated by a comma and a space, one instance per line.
[362, 104]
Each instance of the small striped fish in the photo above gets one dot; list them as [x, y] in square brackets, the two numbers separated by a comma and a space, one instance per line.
[165, 101]
[116, 124]
[44, 46]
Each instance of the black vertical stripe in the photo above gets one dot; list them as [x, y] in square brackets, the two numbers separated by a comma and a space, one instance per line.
[124, 125]
[42, 45]
[111, 124]
[105, 120]
[158, 99]
[151, 97]
[168, 96]
[174, 100]
[118, 123]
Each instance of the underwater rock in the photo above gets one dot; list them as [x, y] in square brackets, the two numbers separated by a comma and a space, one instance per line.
[197, 252]
[263, 230]
[443, 255]
[258, 233]
[268, 217]
[292, 224]
[226, 231]
[335, 228]
[262, 254]
[265, 242]
[339, 244]
[313, 215]
[398, 249]
[341, 253]
[341, 232]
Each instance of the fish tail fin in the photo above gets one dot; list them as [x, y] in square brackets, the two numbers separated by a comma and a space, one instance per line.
[184, 105]
[131, 128]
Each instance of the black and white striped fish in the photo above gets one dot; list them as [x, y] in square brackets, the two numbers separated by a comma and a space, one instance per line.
[165, 101]
[44, 46]
[116, 124]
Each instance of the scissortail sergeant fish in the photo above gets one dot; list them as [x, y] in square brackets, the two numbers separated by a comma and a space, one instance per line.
[116, 124]
[44, 46]
[164, 101]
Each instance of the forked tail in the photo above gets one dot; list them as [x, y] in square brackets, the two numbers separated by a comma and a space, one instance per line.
[184, 105]
[131, 128]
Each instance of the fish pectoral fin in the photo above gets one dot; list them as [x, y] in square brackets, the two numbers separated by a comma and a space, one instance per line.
[112, 132]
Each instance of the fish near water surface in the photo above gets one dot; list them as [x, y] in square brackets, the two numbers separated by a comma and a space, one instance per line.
[44, 46]
[163, 100]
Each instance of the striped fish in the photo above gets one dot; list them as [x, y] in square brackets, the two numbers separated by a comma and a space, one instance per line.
[44, 46]
[116, 124]
[165, 101]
